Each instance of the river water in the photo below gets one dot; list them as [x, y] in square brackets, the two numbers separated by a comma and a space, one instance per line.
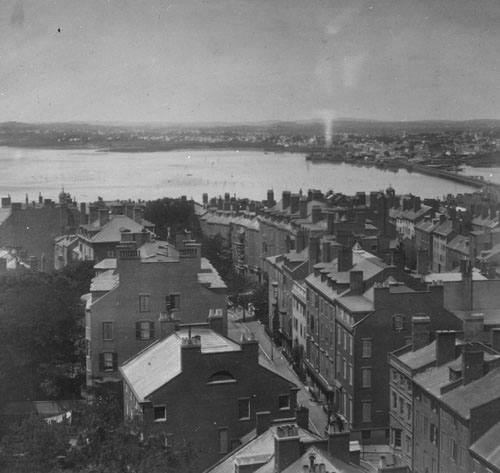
[87, 174]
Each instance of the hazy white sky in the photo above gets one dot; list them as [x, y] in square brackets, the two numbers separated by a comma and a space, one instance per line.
[246, 60]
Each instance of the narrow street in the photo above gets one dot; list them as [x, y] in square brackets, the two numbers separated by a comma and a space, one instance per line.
[272, 357]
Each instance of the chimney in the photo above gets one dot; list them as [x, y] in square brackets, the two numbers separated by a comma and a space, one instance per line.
[270, 198]
[472, 364]
[294, 203]
[300, 240]
[473, 326]
[417, 204]
[344, 261]
[3, 265]
[217, 321]
[167, 325]
[338, 442]
[316, 213]
[103, 216]
[445, 346]
[356, 282]
[303, 208]
[137, 213]
[286, 199]
[93, 213]
[83, 213]
[205, 198]
[326, 256]
[262, 422]
[286, 447]
[40, 198]
[190, 351]
[330, 223]
[420, 333]
[302, 417]
[495, 339]
[314, 252]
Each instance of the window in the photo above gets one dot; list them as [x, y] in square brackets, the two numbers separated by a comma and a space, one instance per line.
[367, 411]
[398, 322]
[223, 440]
[443, 442]
[145, 330]
[367, 377]
[453, 450]
[144, 303]
[344, 367]
[408, 445]
[107, 330]
[160, 413]
[351, 375]
[401, 406]
[244, 409]
[367, 348]
[433, 434]
[110, 254]
[394, 400]
[169, 441]
[350, 344]
[173, 302]
[108, 361]
[396, 438]
[426, 425]
[475, 466]
[283, 402]
[408, 412]
[463, 456]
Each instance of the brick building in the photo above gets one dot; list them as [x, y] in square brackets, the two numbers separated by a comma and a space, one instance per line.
[198, 386]
[444, 397]
[133, 294]
[357, 314]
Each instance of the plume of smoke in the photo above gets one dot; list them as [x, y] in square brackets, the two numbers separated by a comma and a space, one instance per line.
[328, 116]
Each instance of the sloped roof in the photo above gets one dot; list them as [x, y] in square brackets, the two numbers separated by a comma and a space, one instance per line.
[110, 232]
[259, 448]
[463, 398]
[487, 447]
[105, 281]
[159, 363]
[332, 465]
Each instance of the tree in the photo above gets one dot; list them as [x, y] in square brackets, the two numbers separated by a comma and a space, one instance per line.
[172, 216]
[40, 330]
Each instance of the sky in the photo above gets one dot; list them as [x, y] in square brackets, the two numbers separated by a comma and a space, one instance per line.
[248, 60]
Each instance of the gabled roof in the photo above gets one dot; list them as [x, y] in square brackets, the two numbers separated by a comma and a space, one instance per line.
[487, 447]
[259, 449]
[332, 465]
[444, 229]
[462, 398]
[159, 363]
[106, 281]
[111, 231]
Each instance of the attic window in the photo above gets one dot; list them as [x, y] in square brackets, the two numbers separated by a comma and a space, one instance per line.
[398, 322]
[221, 377]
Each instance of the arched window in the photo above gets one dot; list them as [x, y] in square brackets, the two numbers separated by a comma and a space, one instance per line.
[221, 377]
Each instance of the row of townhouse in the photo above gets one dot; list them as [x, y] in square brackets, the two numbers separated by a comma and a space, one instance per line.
[444, 399]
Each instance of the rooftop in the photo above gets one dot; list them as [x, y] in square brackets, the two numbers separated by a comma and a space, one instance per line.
[161, 362]
[488, 446]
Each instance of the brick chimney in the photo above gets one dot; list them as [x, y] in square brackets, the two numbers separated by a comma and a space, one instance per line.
[314, 252]
[330, 223]
[286, 199]
[420, 333]
[473, 325]
[445, 346]
[495, 339]
[190, 351]
[294, 203]
[167, 325]
[93, 213]
[472, 364]
[303, 208]
[316, 213]
[137, 212]
[286, 447]
[217, 321]
[326, 254]
[270, 198]
[302, 417]
[300, 240]
[356, 282]
[103, 216]
[338, 442]
[262, 422]
[344, 261]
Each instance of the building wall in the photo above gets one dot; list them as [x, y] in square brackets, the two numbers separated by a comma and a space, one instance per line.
[121, 306]
[204, 408]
